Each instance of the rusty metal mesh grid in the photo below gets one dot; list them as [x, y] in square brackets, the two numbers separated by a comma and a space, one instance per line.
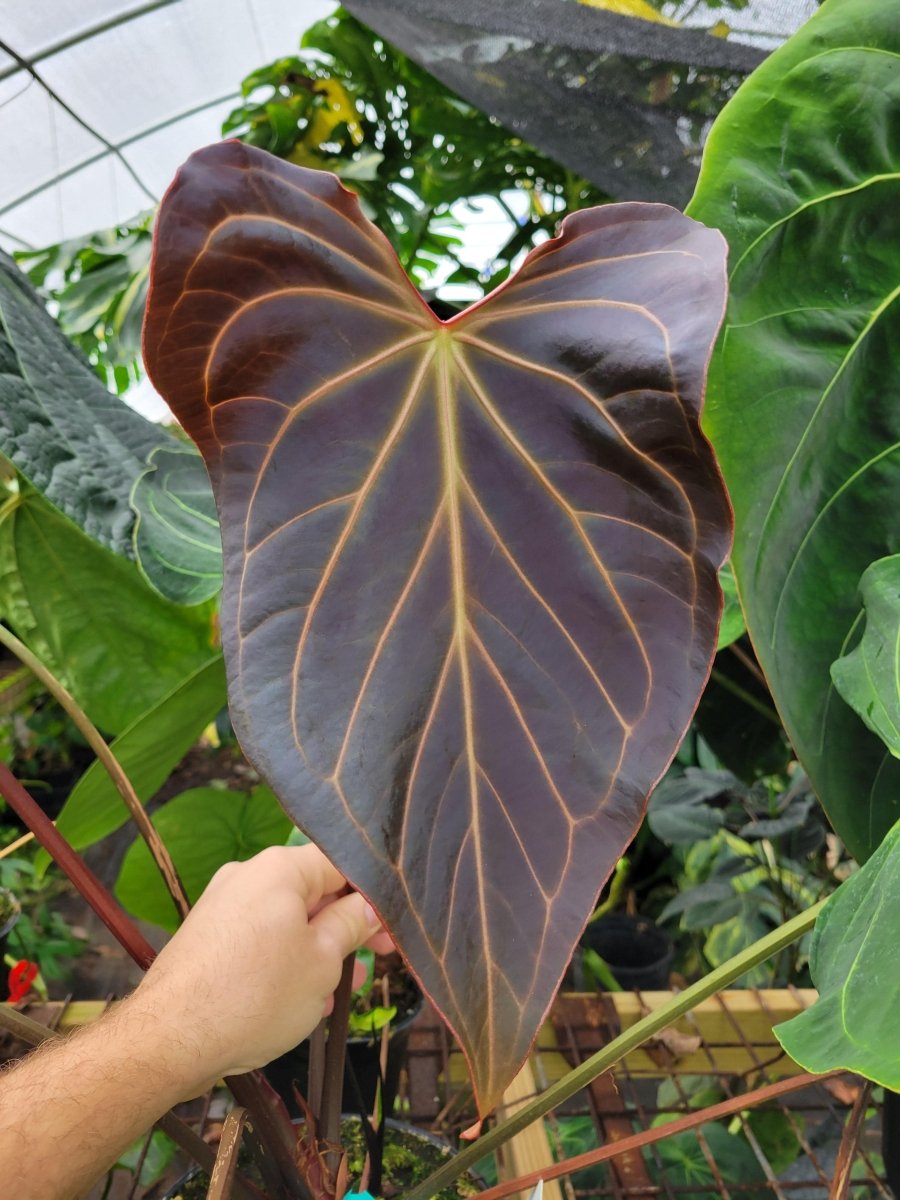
[632, 1098]
[733, 1053]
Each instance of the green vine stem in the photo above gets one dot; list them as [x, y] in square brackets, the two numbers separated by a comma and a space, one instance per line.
[606, 1058]
[97, 743]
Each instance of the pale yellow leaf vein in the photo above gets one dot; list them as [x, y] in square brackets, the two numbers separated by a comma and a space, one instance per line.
[329, 385]
[520, 718]
[563, 503]
[381, 458]
[547, 607]
[453, 470]
[587, 394]
[386, 633]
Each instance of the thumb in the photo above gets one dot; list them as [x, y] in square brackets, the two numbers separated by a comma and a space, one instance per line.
[347, 923]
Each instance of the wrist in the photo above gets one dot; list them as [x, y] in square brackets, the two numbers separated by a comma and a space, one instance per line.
[164, 1047]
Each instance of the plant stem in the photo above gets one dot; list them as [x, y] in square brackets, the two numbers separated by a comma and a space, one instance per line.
[122, 783]
[735, 688]
[221, 1181]
[107, 909]
[335, 1052]
[639, 1033]
[638, 1141]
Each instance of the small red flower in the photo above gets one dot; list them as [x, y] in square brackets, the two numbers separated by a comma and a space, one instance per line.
[21, 977]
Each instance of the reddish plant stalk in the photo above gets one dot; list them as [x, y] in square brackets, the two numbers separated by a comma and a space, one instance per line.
[843, 1167]
[104, 905]
[638, 1141]
[329, 1117]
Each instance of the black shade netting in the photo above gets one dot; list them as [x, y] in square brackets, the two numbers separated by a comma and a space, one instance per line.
[625, 103]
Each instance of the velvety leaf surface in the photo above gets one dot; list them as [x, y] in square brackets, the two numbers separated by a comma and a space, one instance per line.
[176, 535]
[203, 828]
[802, 175]
[148, 751]
[470, 568]
[91, 618]
[869, 677]
[855, 966]
[78, 444]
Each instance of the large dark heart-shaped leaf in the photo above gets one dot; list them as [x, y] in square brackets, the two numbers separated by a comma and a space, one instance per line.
[802, 175]
[470, 568]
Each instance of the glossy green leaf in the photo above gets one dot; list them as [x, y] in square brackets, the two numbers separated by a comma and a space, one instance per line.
[470, 595]
[176, 534]
[855, 966]
[802, 174]
[154, 1162]
[869, 677]
[79, 445]
[685, 1167]
[203, 829]
[90, 616]
[148, 751]
[733, 625]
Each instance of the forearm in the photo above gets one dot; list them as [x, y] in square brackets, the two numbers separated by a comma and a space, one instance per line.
[68, 1110]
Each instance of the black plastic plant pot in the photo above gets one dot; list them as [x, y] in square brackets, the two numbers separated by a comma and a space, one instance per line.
[637, 951]
[410, 1155]
[361, 1068]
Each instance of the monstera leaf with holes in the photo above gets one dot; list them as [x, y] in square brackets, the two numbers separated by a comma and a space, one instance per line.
[470, 567]
[802, 175]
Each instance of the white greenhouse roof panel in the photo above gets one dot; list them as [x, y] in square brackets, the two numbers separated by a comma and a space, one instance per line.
[100, 100]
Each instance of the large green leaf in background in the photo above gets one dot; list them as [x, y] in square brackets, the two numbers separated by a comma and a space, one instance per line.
[91, 618]
[85, 450]
[803, 402]
[853, 1024]
[176, 535]
[203, 829]
[148, 751]
[869, 677]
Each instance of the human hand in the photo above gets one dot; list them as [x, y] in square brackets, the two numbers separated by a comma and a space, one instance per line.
[252, 970]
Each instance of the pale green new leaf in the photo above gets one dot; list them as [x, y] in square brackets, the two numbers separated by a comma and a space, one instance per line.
[203, 828]
[855, 966]
[869, 677]
[176, 535]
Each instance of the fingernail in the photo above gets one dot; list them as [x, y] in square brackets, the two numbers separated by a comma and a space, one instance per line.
[372, 918]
